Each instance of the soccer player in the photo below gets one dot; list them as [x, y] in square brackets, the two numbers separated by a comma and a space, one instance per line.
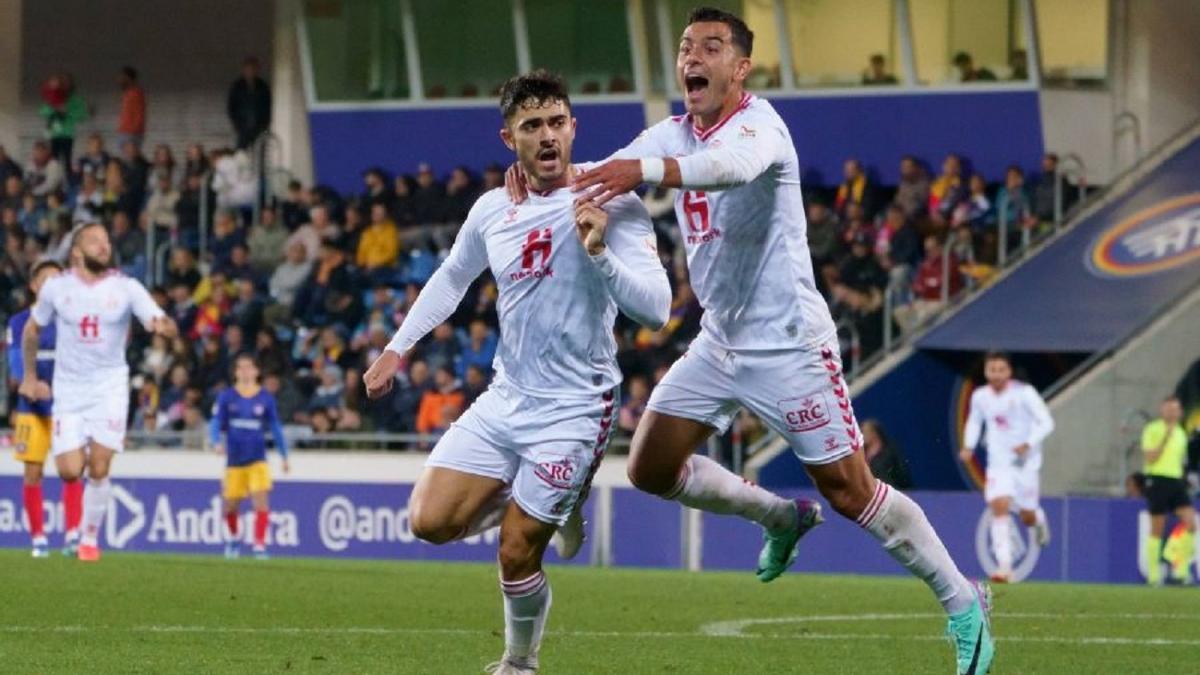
[767, 340]
[245, 413]
[32, 426]
[1017, 422]
[90, 305]
[1164, 443]
[527, 449]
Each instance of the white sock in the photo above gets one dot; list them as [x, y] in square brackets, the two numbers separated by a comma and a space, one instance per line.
[901, 526]
[95, 503]
[1002, 542]
[1039, 517]
[708, 486]
[490, 514]
[526, 606]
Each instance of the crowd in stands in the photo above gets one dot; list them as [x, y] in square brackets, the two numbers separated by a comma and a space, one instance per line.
[315, 282]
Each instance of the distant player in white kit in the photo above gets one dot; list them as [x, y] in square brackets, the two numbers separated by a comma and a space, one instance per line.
[91, 306]
[1017, 421]
[767, 340]
[525, 453]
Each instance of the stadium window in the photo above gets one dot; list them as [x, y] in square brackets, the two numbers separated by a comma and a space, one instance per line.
[1073, 40]
[467, 47]
[585, 41]
[835, 42]
[759, 15]
[356, 49]
[965, 41]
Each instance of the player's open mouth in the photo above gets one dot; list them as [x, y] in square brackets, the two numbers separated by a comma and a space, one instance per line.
[548, 158]
[695, 85]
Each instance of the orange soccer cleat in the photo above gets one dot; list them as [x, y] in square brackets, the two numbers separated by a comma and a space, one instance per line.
[89, 553]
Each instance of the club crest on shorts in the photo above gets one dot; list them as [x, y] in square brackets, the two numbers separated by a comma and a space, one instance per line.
[805, 413]
[558, 472]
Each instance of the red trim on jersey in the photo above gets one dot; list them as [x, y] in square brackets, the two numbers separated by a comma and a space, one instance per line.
[705, 134]
[98, 279]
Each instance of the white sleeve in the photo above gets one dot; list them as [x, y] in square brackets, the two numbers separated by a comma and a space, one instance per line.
[974, 425]
[43, 310]
[143, 305]
[1042, 423]
[447, 286]
[647, 144]
[630, 267]
[741, 159]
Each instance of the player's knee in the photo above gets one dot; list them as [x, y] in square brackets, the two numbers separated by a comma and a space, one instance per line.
[431, 530]
[1029, 518]
[33, 473]
[518, 558]
[652, 479]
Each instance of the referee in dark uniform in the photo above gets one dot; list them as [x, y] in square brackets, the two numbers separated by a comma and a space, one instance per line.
[1164, 443]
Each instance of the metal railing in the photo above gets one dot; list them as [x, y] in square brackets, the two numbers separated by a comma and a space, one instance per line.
[1071, 166]
[303, 438]
[205, 216]
[1123, 123]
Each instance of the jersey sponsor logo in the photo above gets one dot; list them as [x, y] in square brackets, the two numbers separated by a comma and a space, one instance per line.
[1025, 550]
[535, 256]
[1156, 239]
[806, 412]
[89, 328]
[696, 215]
[558, 472]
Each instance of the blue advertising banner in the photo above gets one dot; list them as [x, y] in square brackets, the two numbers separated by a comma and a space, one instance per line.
[1094, 540]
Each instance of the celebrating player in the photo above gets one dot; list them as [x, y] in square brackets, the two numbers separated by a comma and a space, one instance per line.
[527, 448]
[91, 306]
[244, 413]
[1017, 422]
[32, 426]
[767, 341]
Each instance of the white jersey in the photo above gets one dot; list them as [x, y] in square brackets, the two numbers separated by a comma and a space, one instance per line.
[92, 324]
[1014, 416]
[556, 303]
[746, 234]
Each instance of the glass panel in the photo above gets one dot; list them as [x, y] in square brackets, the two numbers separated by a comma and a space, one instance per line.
[964, 40]
[357, 49]
[586, 41]
[658, 79]
[843, 42]
[759, 15]
[1073, 37]
[467, 46]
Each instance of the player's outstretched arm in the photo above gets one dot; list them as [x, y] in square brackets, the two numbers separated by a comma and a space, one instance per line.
[281, 445]
[1043, 423]
[626, 257]
[972, 432]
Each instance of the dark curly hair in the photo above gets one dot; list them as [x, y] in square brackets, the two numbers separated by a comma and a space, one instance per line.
[539, 86]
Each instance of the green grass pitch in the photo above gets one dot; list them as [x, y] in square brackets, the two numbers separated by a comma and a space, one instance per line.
[192, 614]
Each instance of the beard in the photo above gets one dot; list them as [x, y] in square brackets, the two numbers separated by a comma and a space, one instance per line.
[95, 265]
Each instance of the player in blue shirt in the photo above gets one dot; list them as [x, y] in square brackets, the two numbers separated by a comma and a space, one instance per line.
[31, 424]
[245, 413]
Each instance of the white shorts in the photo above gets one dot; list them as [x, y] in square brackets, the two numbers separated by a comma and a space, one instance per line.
[1021, 484]
[548, 450]
[800, 393]
[99, 414]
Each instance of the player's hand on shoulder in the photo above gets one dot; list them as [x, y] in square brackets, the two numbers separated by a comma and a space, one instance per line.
[514, 184]
[602, 183]
[380, 377]
[35, 389]
[591, 222]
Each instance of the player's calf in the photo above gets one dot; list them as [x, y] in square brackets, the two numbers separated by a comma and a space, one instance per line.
[527, 597]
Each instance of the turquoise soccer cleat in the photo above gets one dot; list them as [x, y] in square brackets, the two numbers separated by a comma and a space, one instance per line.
[780, 550]
[971, 633]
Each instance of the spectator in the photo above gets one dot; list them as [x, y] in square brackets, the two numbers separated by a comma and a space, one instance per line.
[89, 200]
[289, 276]
[948, 191]
[131, 122]
[406, 403]
[157, 359]
[62, 109]
[857, 224]
[635, 403]
[461, 194]
[212, 367]
[162, 164]
[295, 207]
[493, 177]
[379, 189]
[45, 173]
[479, 349]
[213, 311]
[927, 287]
[233, 341]
[269, 354]
[897, 247]
[475, 382]
[876, 72]
[855, 189]
[226, 235]
[171, 398]
[976, 210]
[379, 247]
[249, 104]
[135, 172]
[328, 394]
[1164, 446]
[14, 193]
[1014, 205]
[912, 194]
[429, 198]
[442, 350]
[267, 241]
[1043, 191]
[128, 244]
[94, 159]
[441, 405]
[861, 272]
[182, 269]
[160, 209]
[967, 72]
[187, 211]
[239, 266]
[885, 459]
[311, 234]
[31, 215]
[234, 180]
[196, 162]
[8, 168]
[327, 294]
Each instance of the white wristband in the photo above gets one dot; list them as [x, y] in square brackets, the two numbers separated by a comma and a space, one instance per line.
[653, 170]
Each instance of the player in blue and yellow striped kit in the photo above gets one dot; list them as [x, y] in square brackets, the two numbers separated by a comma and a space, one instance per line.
[31, 424]
[245, 413]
